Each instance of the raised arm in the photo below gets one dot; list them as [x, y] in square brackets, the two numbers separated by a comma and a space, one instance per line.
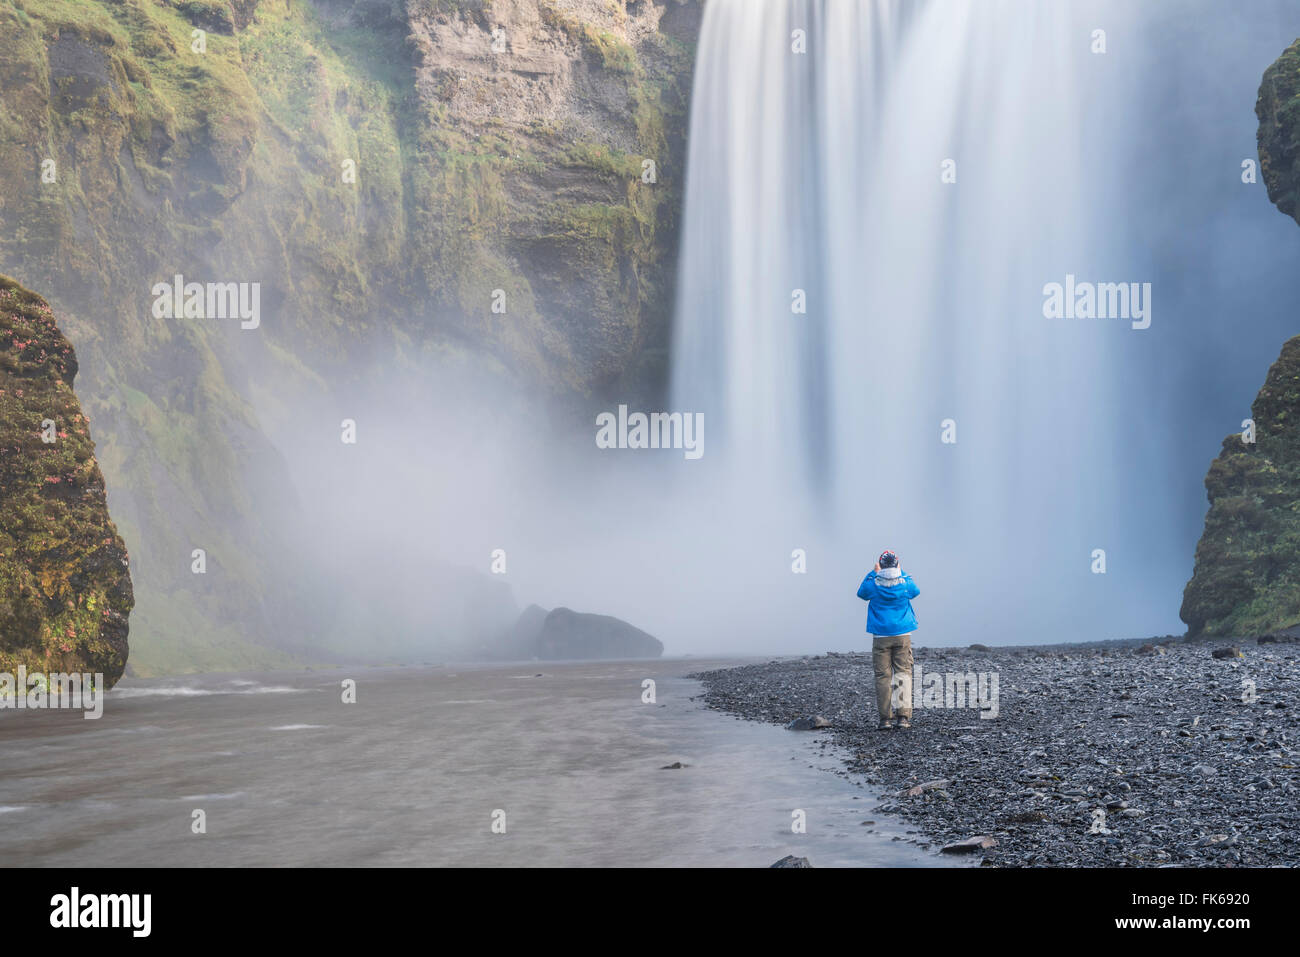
[867, 590]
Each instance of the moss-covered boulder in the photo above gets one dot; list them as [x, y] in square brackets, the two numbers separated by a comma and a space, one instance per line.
[65, 591]
[1278, 109]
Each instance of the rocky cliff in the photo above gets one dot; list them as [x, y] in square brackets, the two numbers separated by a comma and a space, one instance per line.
[65, 591]
[1278, 110]
[1246, 580]
[499, 178]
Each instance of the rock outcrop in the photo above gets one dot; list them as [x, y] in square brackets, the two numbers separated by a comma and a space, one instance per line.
[563, 634]
[1246, 580]
[571, 634]
[523, 637]
[65, 590]
[1278, 110]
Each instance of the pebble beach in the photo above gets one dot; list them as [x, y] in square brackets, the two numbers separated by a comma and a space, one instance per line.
[1125, 753]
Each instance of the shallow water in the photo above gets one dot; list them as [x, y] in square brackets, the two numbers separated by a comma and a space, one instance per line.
[412, 773]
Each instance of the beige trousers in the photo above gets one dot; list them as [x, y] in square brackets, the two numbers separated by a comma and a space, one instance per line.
[892, 657]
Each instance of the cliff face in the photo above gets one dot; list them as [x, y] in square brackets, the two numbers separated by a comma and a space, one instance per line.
[65, 592]
[1278, 110]
[551, 136]
[402, 177]
[1246, 580]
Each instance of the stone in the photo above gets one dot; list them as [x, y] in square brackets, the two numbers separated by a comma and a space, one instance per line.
[810, 723]
[926, 786]
[970, 845]
[65, 585]
[570, 635]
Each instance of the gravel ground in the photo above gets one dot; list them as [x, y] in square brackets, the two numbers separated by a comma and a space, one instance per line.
[1106, 754]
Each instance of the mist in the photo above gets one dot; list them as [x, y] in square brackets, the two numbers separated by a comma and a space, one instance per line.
[822, 442]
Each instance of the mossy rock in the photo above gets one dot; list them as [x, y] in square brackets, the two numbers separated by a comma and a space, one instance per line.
[65, 590]
[1246, 580]
[1278, 110]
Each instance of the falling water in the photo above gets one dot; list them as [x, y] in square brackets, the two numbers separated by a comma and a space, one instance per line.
[820, 137]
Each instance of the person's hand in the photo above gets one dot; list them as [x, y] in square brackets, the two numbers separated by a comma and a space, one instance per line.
[877, 567]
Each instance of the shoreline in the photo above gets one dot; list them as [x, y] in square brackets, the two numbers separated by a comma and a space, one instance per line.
[1116, 753]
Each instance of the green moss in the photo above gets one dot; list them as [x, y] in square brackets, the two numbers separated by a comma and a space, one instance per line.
[1246, 580]
[613, 53]
[1247, 574]
[603, 158]
[65, 594]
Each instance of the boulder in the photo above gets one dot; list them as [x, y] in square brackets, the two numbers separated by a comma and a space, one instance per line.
[971, 845]
[568, 634]
[918, 789]
[65, 590]
[809, 723]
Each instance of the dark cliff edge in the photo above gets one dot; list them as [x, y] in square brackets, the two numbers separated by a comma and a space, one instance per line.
[1278, 110]
[1246, 579]
[65, 589]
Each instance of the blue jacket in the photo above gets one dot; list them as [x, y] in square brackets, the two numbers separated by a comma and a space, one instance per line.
[889, 604]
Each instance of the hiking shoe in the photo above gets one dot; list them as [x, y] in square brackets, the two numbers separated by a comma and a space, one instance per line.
[885, 726]
[904, 723]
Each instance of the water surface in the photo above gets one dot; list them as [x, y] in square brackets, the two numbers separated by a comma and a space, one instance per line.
[412, 773]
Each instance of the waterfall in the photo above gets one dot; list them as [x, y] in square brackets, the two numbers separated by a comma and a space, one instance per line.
[824, 176]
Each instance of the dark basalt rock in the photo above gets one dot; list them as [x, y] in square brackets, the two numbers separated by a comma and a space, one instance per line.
[791, 861]
[563, 634]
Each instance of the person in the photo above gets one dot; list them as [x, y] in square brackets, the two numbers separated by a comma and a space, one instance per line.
[888, 592]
